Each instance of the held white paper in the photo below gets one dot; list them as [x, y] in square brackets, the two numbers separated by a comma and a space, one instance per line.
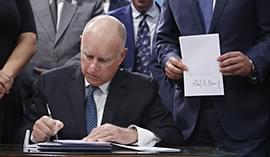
[200, 53]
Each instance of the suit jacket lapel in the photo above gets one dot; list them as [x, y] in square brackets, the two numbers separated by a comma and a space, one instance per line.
[117, 92]
[76, 93]
[219, 8]
[43, 14]
[66, 17]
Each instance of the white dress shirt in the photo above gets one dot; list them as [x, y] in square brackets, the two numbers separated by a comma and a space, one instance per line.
[145, 137]
[106, 5]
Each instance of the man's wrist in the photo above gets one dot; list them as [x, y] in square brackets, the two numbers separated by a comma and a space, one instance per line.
[134, 134]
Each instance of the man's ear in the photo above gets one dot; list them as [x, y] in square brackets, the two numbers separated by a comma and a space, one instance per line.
[124, 53]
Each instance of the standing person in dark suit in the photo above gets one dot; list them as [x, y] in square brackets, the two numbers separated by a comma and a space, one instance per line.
[127, 108]
[59, 25]
[239, 120]
[132, 16]
[114, 4]
[17, 38]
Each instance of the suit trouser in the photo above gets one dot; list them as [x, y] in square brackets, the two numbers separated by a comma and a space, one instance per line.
[209, 132]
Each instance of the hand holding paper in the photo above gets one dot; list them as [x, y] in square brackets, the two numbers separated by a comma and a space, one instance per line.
[235, 63]
[174, 68]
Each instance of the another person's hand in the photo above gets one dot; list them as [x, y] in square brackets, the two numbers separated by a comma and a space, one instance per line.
[5, 83]
[44, 128]
[235, 63]
[174, 68]
[112, 133]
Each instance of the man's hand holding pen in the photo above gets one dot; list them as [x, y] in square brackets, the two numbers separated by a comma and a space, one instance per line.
[44, 128]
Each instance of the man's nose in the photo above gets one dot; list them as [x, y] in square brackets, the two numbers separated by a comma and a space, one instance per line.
[93, 66]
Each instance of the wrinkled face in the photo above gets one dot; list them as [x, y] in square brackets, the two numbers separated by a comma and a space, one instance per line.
[100, 59]
[142, 5]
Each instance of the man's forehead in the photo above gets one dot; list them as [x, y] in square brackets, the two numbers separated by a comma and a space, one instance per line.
[92, 53]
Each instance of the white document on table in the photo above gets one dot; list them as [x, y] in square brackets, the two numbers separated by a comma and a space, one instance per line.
[82, 142]
[149, 149]
[200, 53]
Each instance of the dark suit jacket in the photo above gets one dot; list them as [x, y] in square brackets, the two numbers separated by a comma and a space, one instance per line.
[132, 99]
[243, 25]
[114, 4]
[166, 91]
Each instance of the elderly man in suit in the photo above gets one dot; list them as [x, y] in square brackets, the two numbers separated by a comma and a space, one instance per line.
[127, 108]
[59, 25]
[239, 120]
[132, 16]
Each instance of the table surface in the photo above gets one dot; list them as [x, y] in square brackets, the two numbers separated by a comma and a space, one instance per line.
[17, 151]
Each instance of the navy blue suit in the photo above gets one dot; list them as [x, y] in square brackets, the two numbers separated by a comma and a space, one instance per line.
[243, 25]
[124, 14]
[114, 4]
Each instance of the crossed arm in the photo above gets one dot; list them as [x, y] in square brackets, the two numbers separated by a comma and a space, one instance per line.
[19, 57]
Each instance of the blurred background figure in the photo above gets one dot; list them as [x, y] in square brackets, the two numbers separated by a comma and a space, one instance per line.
[140, 19]
[110, 5]
[59, 26]
[17, 38]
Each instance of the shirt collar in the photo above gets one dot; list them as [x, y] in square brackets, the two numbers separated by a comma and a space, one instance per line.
[151, 12]
[104, 88]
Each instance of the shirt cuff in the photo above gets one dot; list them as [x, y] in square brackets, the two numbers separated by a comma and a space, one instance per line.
[145, 137]
[253, 77]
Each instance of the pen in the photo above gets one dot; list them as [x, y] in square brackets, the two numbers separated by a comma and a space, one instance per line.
[50, 115]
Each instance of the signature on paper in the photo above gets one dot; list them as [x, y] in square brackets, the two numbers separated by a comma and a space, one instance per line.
[206, 83]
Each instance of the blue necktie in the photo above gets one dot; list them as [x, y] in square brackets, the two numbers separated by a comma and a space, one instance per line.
[91, 110]
[143, 47]
[207, 12]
